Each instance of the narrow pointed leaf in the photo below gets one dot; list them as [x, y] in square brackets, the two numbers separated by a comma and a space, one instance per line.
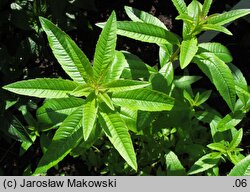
[227, 17]
[67, 137]
[141, 16]
[104, 97]
[241, 84]
[204, 163]
[188, 50]
[205, 7]
[218, 49]
[218, 147]
[43, 87]
[214, 27]
[135, 68]
[242, 168]
[69, 55]
[117, 132]
[174, 166]
[180, 5]
[125, 85]
[185, 18]
[54, 111]
[145, 32]
[89, 115]
[105, 49]
[236, 139]
[116, 68]
[220, 75]
[143, 99]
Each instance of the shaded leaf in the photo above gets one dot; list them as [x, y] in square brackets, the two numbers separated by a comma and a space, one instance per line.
[67, 137]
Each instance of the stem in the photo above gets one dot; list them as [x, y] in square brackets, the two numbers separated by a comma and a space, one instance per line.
[174, 55]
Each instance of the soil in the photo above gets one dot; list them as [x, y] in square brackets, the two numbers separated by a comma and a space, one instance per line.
[239, 45]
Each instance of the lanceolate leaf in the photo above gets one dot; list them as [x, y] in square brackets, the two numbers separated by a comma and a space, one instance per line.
[90, 109]
[105, 49]
[236, 139]
[241, 84]
[216, 28]
[189, 48]
[117, 132]
[54, 111]
[180, 5]
[242, 168]
[69, 55]
[65, 139]
[116, 68]
[227, 17]
[124, 85]
[220, 75]
[218, 49]
[204, 163]
[43, 87]
[104, 97]
[174, 166]
[143, 99]
[145, 32]
[141, 16]
[205, 7]
[135, 68]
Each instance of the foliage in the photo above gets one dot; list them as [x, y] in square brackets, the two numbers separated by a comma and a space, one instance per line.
[156, 120]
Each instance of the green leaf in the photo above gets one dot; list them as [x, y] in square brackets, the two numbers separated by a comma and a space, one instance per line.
[186, 81]
[165, 53]
[186, 18]
[174, 166]
[65, 139]
[116, 68]
[194, 10]
[214, 27]
[167, 71]
[206, 7]
[242, 168]
[143, 99]
[135, 68]
[230, 121]
[220, 75]
[117, 132]
[227, 17]
[141, 16]
[236, 139]
[241, 84]
[69, 55]
[145, 32]
[43, 87]
[124, 85]
[104, 97]
[202, 98]
[89, 115]
[180, 5]
[218, 147]
[188, 50]
[54, 111]
[218, 49]
[206, 162]
[105, 49]
[130, 118]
